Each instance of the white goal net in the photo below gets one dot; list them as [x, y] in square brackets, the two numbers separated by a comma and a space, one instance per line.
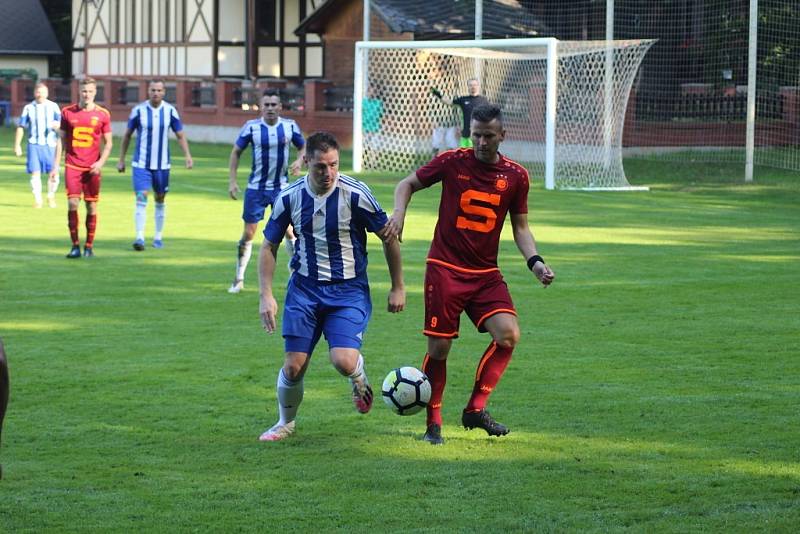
[563, 103]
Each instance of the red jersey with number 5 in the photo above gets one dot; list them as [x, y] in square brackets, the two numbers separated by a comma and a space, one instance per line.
[476, 197]
[83, 130]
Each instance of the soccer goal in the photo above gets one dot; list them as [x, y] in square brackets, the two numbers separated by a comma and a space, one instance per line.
[563, 103]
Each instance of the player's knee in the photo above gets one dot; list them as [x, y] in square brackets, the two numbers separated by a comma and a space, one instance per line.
[508, 338]
[141, 197]
[249, 232]
[293, 370]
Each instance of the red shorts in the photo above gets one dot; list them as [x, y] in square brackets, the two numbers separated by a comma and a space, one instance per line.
[448, 292]
[82, 182]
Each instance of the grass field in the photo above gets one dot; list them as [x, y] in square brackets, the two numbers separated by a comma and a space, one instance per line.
[656, 387]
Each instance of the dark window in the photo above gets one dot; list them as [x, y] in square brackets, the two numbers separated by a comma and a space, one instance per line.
[265, 21]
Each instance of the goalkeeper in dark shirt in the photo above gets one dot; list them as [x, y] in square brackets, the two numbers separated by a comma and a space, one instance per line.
[466, 103]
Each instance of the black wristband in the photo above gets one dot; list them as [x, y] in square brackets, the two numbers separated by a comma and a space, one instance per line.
[533, 259]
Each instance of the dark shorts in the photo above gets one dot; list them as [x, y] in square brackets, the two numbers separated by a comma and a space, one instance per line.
[256, 203]
[448, 292]
[82, 183]
[338, 310]
[156, 180]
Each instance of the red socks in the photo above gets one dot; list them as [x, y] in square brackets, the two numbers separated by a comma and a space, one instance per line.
[91, 226]
[72, 221]
[436, 370]
[491, 368]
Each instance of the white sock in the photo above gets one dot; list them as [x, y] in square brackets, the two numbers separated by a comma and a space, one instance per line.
[52, 187]
[140, 217]
[36, 187]
[245, 249]
[290, 395]
[358, 374]
[161, 216]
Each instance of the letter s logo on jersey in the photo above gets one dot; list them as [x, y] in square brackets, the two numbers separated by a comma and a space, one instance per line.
[82, 136]
[488, 214]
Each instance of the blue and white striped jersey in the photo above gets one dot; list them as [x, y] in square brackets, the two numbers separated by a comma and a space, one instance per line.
[39, 119]
[331, 228]
[270, 150]
[152, 126]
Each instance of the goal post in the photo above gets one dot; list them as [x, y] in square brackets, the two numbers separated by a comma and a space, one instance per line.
[561, 121]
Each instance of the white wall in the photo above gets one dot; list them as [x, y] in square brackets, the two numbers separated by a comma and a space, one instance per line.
[38, 63]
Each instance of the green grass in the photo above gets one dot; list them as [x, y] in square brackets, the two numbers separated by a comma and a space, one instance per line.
[655, 387]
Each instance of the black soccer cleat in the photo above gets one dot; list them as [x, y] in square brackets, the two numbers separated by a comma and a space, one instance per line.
[88, 252]
[433, 434]
[74, 252]
[483, 420]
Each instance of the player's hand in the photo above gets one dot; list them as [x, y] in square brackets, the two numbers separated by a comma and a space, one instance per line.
[95, 168]
[189, 162]
[543, 273]
[394, 227]
[268, 309]
[297, 167]
[397, 300]
[233, 190]
[121, 166]
[17, 150]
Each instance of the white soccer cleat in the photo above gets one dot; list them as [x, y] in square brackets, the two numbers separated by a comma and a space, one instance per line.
[278, 432]
[236, 286]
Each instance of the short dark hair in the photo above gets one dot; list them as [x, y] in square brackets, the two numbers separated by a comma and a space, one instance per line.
[321, 141]
[487, 113]
[157, 80]
[271, 91]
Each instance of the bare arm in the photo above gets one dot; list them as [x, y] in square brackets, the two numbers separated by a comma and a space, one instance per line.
[184, 144]
[126, 140]
[18, 140]
[526, 244]
[297, 165]
[59, 150]
[233, 165]
[402, 196]
[268, 307]
[394, 260]
[97, 166]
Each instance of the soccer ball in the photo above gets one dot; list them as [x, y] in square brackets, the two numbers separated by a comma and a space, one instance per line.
[406, 390]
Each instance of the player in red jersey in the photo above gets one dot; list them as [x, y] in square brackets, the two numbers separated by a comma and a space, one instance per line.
[83, 125]
[479, 187]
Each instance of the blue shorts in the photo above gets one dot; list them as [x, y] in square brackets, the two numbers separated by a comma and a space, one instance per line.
[40, 158]
[150, 180]
[339, 310]
[256, 202]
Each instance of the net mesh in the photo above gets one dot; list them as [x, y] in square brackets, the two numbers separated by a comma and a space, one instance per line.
[403, 124]
[691, 94]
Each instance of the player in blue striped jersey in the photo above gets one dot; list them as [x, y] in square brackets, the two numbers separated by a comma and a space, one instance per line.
[42, 118]
[152, 120]
[270, 136]
[328, 292]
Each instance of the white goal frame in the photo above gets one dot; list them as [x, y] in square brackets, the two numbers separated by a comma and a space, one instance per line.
[557, 143]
